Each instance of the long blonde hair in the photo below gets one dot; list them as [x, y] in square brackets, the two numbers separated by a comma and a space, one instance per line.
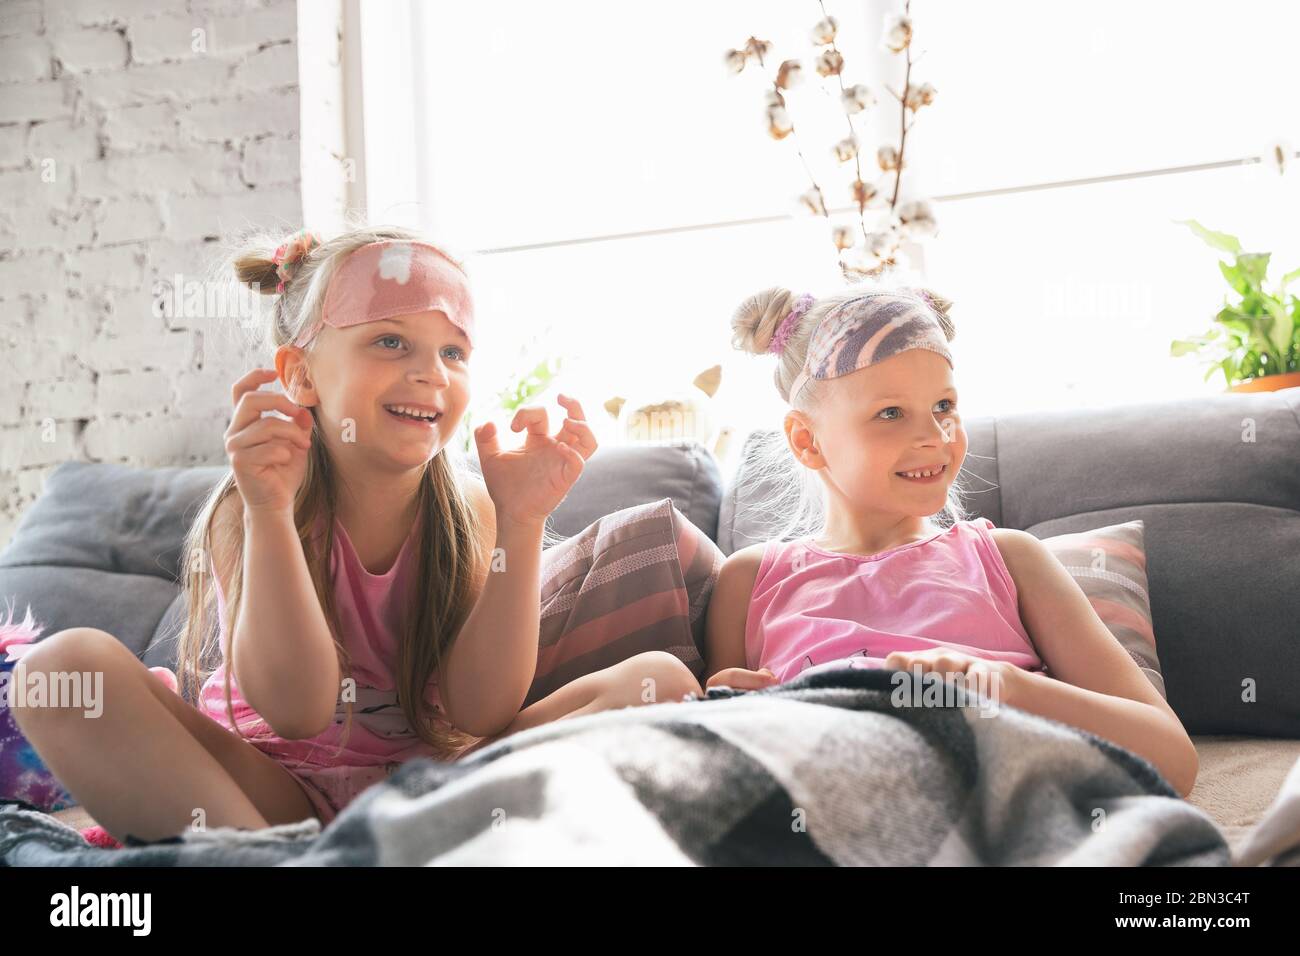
[449, 553]
[769, 463]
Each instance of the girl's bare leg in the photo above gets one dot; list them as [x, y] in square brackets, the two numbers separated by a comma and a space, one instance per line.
[150, 764]
[649, 678]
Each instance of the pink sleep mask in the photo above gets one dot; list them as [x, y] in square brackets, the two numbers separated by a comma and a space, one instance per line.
[395, 277]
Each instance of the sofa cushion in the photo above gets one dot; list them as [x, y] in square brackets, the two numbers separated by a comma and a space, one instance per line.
[1110, 567]
[128, 606]
[635, 580]
[111, 517]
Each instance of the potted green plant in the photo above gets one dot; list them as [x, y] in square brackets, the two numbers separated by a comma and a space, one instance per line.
[1257, 340]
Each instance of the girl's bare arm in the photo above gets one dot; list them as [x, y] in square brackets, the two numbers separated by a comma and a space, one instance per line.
[494, 658]
[728, 611]
[285, 662]
[1095, 684]
[493, 661]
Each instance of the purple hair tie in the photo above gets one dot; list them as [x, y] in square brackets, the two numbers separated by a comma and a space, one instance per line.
[786, 329]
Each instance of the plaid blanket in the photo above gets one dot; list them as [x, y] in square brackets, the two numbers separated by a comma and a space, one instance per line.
[825, 769]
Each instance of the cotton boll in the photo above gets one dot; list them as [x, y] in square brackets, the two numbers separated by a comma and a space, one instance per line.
[824, 32]
[735, 60]
[887, 157]
[830, 63]
[843, 237]
[918, 96]
[812, 202]
[757, 48]
[897, 33]
[778, 122]
[846, 149]
[916, 219]
[857, 98]
[861, 264]
[883, 244]
[789, 74]
[862, 192]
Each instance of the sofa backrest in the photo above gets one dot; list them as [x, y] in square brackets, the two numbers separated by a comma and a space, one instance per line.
[101, 547]
[1216, 481]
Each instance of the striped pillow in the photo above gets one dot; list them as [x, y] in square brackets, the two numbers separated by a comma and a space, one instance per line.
[1110, 565]
[635, 580]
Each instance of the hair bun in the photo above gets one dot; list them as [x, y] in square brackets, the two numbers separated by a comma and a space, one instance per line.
[756, 319]
[288, 257]
[271, 273]
[256, 269]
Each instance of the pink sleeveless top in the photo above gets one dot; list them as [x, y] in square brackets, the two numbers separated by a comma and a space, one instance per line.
[370, 609]
[812, 608]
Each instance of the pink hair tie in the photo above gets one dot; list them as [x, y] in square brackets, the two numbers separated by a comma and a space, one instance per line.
[788, 324]
[290, 254]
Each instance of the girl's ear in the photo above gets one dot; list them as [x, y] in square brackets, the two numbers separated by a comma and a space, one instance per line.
[803, 443]
[291, 366]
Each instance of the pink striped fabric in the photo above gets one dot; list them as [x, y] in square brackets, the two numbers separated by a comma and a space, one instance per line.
[1110, 565]
[635, 580]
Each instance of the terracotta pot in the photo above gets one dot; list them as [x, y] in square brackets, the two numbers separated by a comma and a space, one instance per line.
[1268, 383]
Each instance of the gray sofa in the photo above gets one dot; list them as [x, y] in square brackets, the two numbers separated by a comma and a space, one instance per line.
[1216, 479]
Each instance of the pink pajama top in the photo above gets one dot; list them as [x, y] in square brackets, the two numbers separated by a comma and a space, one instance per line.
[812, 608]
[370, 609]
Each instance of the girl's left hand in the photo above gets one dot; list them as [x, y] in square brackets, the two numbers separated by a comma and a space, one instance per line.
[998, 676]
[526, 484]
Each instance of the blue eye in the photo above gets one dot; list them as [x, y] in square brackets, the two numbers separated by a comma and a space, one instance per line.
[460, 353]
[891, 408]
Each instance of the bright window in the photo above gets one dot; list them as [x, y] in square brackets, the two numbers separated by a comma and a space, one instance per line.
[620, 195]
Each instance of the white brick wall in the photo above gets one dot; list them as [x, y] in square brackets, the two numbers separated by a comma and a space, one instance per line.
[134, 135]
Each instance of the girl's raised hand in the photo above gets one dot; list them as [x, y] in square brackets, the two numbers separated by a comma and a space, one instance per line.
[528, 483]
[268, 455]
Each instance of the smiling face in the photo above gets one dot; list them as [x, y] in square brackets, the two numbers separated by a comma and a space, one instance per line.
[897, 415]
[364, 373]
